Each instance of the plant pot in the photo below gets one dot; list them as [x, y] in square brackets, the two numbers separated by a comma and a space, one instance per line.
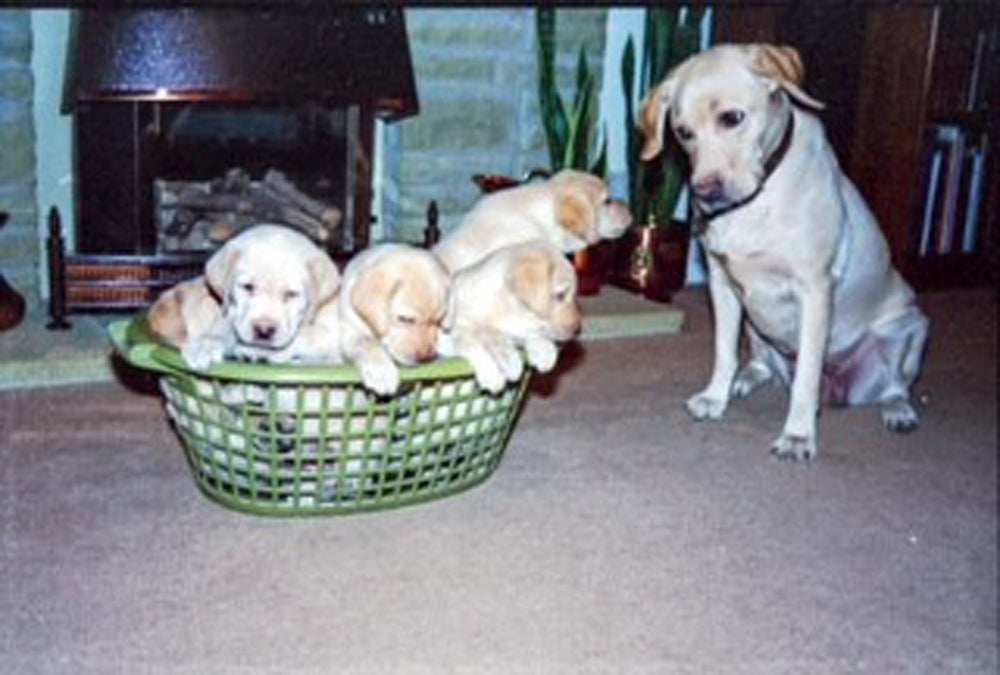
[593, 265]
[12, 306]
[651, 260]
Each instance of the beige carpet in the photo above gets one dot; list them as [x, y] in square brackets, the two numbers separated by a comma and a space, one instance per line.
[617, 536]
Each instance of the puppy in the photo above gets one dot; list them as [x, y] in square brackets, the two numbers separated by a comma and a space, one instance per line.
[572, 210]
[184, 312]
[394, 299]
[265, 296]
[790, 243]
[519, 296]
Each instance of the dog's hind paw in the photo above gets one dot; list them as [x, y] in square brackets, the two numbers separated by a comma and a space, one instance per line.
[749, 378]
[703, 407]
[899, 416]
[790, 446]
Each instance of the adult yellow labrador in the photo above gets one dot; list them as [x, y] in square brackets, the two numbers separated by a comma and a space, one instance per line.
[791, 246]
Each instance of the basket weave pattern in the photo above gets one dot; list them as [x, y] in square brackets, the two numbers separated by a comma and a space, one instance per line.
[290, 440]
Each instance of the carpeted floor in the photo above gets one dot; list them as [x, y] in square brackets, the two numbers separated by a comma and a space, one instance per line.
[617, 536]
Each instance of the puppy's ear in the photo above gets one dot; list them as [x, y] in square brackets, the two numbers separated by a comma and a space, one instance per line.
[653, 117]
[323, 281]
[783, 66]
[575, 213]
[530, 280]
[371, 297]
[219, 270]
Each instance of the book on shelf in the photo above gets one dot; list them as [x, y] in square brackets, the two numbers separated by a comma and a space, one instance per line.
[955, 162]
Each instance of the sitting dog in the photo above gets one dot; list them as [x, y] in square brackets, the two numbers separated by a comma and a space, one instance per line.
[266, 296]
[571, 210]
[518, 296]
[394, 299]
[790, 244]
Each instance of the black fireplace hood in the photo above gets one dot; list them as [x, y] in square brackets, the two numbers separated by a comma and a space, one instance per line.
[281, 54]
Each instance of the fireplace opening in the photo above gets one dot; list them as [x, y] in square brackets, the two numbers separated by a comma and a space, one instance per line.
[192, 124]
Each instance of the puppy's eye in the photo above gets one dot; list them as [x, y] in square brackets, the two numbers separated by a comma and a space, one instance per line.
[406, 320]
[560, 296]
[684, 133]
[247, 287]
[290, 296]
[730, 119]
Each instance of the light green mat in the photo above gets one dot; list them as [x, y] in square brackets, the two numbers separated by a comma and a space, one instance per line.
[33, 356]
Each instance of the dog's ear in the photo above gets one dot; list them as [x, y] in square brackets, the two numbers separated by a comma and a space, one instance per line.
[653, 117]
[783, 66]
[530, 279]
[219, 270]
[575, 213]
[323, 281]
[371, 297]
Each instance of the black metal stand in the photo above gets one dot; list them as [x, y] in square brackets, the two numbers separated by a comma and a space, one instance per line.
[57, 266]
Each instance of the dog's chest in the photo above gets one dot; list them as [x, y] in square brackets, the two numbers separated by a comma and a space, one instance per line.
[762, 281]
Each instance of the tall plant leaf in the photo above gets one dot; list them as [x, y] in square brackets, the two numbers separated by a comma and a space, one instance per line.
[554, 122]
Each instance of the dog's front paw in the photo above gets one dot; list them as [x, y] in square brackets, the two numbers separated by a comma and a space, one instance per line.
[382, 377]
[541, 354]
[703, 407]
[507, 357]
[489, 375]
[200, 353]
[898, 415]
[793, 446]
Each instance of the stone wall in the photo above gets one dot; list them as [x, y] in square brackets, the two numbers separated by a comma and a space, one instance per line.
[19, 244]
[477, 85]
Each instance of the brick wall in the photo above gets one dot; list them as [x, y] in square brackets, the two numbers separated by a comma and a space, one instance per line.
[477, 83]
[19, 239]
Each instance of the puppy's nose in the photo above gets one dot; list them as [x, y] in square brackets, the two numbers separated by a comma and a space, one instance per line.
[426, 354]
[264, 331]
[708, 188]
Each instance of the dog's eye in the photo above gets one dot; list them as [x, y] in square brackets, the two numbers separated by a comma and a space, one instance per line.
[406, 320]
[684, 133]
[247, 287]
[290, 296]
[730, 119]
[560, 296]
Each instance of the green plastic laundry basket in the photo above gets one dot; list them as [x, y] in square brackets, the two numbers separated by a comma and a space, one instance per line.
[298, 440]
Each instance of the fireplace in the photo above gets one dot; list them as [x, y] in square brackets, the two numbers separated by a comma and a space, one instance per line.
[192, 124]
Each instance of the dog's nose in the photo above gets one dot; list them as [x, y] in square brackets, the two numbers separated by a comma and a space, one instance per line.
[426, 354]
[264, 331]
[708, 188]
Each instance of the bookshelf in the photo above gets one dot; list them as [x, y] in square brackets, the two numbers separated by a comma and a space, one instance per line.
[925, 145]
[909, 87]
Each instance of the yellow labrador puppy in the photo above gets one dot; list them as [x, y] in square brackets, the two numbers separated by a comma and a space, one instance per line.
[571, 210]
[519, 296]
[394, 299]
[266, 296]
[791, 246]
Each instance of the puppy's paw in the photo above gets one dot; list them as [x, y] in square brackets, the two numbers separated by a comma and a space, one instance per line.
[704, 407]
[507, 357]
[749, 378]
[200, 353]
[542, 354]
[793, 446]
[381, 376]
[898, 415]
[489, 375]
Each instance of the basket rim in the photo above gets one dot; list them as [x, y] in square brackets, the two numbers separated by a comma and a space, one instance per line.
[134, 341]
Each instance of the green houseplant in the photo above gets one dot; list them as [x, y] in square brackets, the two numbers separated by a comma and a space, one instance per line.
[571, 134]
[651, 257]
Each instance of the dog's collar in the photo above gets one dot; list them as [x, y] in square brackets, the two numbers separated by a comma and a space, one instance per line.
[702, 220]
